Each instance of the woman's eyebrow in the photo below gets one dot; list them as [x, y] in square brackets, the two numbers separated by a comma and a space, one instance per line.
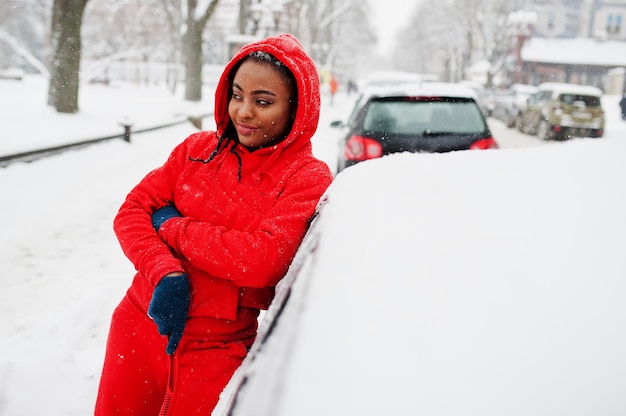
[235, 85]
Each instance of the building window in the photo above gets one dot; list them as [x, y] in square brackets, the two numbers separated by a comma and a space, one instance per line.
[613, 24]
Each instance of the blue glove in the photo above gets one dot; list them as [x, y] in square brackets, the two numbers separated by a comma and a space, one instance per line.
[169, 307]
[163, 214]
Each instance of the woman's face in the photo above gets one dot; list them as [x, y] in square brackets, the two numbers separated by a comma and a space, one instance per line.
[260, 105]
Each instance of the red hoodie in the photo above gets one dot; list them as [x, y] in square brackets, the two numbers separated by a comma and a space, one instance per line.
[236, 237]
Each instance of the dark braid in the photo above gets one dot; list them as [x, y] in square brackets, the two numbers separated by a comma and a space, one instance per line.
[220, 140]
[233, 150]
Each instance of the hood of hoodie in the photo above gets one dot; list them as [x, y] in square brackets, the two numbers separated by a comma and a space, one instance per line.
[290, 52]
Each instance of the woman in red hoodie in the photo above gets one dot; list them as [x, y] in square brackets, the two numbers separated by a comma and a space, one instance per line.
[211, 232]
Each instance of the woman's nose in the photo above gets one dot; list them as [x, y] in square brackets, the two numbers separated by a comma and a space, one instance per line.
[245, 109]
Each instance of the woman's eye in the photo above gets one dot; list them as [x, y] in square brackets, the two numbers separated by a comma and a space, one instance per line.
[236, 96]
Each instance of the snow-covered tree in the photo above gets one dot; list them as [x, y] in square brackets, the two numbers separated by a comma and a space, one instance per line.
[488, 20]
[449, 36]
[338, 34]
[24, 34]
[427, 44]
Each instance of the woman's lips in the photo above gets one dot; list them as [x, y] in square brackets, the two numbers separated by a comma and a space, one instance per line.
[245, 129]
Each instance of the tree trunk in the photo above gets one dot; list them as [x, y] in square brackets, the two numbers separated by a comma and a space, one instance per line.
[67, 18]
[193, 61]
[192, 48]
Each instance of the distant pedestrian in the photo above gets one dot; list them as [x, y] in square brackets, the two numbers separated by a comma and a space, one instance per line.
[334, 86]
[210, 233]
[351, 87]
[622, 104]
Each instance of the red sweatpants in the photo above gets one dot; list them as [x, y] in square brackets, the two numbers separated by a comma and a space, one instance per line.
[139, 379]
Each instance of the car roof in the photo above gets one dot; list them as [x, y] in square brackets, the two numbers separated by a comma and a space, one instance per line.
[421, 89]
[397, 314]
[383, 78]
[564, 88]
[524, 88]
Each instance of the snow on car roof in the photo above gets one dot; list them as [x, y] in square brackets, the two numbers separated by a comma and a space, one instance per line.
[397, 310]
[390, 77]
[524, 88]
[560, 87]
[430, 89]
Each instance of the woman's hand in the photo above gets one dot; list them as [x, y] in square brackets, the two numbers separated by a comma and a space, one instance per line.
[169, 307]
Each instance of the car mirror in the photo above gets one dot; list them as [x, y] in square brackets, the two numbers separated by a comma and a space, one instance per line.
[336, 123]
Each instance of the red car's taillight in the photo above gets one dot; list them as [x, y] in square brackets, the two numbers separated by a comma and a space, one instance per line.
[360, 148]
[484, 144]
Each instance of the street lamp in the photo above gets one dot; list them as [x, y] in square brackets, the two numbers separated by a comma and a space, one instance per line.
[521, 24]
[277, 12]
[256, 12]
[320, 52]
[259, 10]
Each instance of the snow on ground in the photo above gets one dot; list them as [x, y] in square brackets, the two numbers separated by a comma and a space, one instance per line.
[63, 271]
[32, 125]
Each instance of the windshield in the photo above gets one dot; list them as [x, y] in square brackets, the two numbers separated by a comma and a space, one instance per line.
[418, 115]
[589, 100]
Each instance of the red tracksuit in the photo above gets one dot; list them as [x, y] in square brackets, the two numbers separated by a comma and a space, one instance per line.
[243, 216]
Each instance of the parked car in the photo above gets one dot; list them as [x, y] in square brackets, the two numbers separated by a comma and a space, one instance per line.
[511, 102]
[561, 111]
[441, 285]
[429, 117]
[499, 99]
[482, 96]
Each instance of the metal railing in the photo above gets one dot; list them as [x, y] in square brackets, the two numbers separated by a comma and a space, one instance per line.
[32, 155]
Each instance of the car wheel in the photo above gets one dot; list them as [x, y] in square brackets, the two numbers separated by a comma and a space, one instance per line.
[543, 131]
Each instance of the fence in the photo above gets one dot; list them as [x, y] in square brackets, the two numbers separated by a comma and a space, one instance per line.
[31, 155]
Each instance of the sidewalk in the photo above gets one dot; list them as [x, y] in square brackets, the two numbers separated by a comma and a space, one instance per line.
[28, 123]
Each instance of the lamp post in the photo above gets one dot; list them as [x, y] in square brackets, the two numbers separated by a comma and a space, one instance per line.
[266, 15]
[320, 52]
[521, 24]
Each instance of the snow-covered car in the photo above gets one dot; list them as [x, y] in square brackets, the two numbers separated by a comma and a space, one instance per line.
[511, 102]
[439, 284]
[562, 111]
[519, 98]
[429, 117]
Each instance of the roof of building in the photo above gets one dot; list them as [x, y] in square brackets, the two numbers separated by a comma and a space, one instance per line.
[580, 51]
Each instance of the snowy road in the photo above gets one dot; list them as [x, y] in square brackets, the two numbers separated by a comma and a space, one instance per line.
[509, 138]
